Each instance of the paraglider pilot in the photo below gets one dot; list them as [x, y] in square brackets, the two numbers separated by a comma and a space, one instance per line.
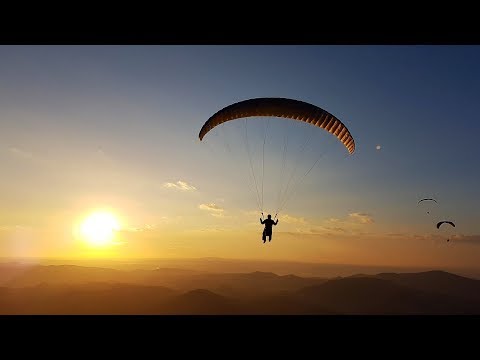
[267, 231]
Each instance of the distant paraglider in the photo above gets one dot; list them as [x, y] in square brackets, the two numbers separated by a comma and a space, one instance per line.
[444, 222]
[430, 205]
[428, 200]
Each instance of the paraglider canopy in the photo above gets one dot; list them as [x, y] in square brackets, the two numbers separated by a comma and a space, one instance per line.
[426, 200]
[427, 204]
[444, 222]
[284, 108]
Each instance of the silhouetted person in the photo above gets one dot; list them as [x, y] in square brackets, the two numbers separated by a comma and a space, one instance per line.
[267, 231]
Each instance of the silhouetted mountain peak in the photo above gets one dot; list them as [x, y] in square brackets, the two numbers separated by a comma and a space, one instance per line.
[262, 274]
[201, 301]
[348, 284]
[356, 276]
[201, 292]
[432, 275]
[445, 274]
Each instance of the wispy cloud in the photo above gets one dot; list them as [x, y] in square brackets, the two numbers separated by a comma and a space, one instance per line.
[180, 185]
[160, 223]
[13, 227]
[169, 220]
[397, 234]
[289, 219]
[15, 151]
[334, 220]
[349, 225]
[325, 230]
[318, 231]
[219, 214]
[362, 218]
[467, 239]
[211, 230]
[211, 207]
[425, 237]
[352, 219]
[147, 227]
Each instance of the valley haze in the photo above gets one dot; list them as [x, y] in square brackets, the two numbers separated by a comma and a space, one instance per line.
[214, 286]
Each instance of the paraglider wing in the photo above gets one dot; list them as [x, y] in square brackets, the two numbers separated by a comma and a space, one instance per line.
[284, 108]
[445, 222]
[428, 203]
[426, 200]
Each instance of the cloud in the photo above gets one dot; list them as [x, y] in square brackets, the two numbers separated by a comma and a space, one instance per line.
[211, 207]
[321, 230]
[328, 230]
[218, 214]
[211, 230]
[467, 239]
[147, 227]
[353, 218]
[397, 234]
[169, 220]
[361, 218]
[288, 219]
[160, 223]
[180, 185]
[425, 237]
[334, 220]
[334, 230]
[207, 229]
[14, 227]
[313, 232]
[20, 153]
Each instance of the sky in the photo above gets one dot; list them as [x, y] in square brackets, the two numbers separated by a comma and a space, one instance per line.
[115, 128]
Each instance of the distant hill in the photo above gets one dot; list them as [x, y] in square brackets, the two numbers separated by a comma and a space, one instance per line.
[439, 282]
[370, 295]
[69, 289]
[247, 284]
[93, 298]
[201, 302]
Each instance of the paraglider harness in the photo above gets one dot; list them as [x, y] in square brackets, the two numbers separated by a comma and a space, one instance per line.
[264, 234]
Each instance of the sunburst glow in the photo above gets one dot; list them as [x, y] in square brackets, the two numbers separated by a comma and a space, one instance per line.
[99, 228]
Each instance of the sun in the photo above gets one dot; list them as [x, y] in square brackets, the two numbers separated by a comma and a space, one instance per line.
[99, 228]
